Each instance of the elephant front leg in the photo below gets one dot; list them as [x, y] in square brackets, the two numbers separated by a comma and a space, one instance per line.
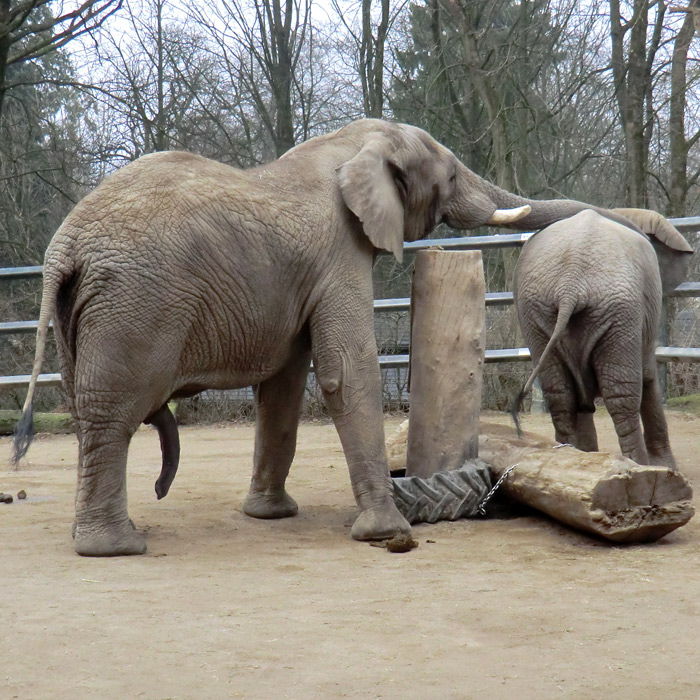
[278, 402]
[102, 526]
[347, 369]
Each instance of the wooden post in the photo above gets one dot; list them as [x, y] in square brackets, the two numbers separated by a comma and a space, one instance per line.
[447, 357]
[662, 367]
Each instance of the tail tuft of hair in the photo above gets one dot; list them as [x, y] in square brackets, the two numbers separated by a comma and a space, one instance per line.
[515, 409]
[23, 435]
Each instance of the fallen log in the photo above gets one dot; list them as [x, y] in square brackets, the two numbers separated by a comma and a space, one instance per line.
[607, 495]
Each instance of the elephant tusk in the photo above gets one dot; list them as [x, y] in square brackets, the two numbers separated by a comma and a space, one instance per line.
[507, 216]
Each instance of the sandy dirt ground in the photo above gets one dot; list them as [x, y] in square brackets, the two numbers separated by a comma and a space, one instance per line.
[225, 606]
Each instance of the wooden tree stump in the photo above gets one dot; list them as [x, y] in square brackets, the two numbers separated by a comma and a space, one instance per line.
[447, 357]
[607, 495]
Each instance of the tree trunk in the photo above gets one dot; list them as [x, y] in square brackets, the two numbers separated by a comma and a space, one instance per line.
[278, 59]
[285, 116]
[633, 90]
[161, 141]
[4, 48]
[444, 75]
[501, 155]
[678, 189]
[372, 59]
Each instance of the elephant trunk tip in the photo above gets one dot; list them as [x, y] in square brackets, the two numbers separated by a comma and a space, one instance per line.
[23, 435]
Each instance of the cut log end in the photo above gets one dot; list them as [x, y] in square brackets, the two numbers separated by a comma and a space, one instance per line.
[658, 501]
[641, 524]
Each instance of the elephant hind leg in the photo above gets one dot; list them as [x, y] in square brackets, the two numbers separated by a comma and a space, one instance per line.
[619, 375]
[560, 391]
[586, 438]
[112, 398]
[585, 435]
[654, 421]
[102, 525]
[166, 425]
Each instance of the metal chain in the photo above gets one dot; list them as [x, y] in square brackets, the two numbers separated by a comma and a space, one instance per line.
[482, 506]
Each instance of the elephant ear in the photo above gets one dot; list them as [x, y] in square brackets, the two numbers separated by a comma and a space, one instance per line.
[654, 224]
[369, 188]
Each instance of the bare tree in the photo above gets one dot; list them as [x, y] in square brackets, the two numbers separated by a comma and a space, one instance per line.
[508, 72]
[30, 29]
[372, 58]
[153, 80]
[263, 45]
[369, 31]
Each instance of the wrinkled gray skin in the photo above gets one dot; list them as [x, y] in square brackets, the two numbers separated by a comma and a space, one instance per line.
[179, 274]
[588, 295]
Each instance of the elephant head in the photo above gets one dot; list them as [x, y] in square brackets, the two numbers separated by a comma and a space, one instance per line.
[672, 250]
[402, 183]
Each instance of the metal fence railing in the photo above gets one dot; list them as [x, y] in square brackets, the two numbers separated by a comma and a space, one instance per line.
[663, 354]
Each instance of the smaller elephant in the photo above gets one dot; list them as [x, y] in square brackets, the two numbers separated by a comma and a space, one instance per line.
[588, 294]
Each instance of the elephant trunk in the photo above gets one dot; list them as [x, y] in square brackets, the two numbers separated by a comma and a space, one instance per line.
[476, 200]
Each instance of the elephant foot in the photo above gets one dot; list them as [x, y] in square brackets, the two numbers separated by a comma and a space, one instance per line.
[662, 459]
[266, 505]
[380, 523]
[114, 541]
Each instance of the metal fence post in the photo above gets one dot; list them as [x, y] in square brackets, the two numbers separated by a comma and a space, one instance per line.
[662, 367]
[537, 404]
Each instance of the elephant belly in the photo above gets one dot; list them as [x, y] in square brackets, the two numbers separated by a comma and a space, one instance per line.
[235, 355]
[221, 379]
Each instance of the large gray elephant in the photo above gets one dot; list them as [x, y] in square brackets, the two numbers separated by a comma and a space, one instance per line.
[588, 295]
[179, 274]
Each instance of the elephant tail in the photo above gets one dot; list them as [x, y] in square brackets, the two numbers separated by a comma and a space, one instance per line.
[567, 307]
[24, 430]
